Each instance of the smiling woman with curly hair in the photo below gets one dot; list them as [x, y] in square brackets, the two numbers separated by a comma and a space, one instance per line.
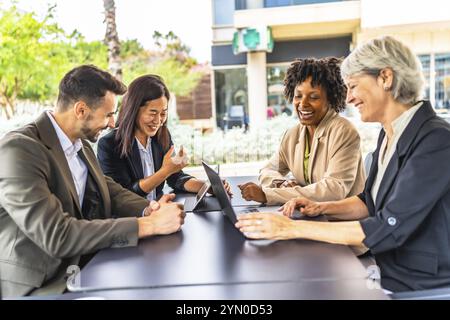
[323, 151]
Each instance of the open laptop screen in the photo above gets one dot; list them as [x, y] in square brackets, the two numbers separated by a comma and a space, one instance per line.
[220, 192]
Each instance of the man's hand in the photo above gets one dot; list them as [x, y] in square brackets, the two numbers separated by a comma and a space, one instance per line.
[251, 191]
[305, 206]
[167, 219]
[155, 205]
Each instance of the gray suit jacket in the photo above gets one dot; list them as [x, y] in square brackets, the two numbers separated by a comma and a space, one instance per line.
[42, 228]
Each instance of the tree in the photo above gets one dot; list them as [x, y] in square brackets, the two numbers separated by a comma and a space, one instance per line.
[112, 39]
[172, 47]
[35, 54]
[172, 62]
[177, 76]
[26, 59]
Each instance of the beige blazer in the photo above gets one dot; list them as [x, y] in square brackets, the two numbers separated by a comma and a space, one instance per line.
[335, 166]
[42, 229]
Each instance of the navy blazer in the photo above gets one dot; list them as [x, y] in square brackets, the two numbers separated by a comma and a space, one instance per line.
[408, 228]
[128, 170]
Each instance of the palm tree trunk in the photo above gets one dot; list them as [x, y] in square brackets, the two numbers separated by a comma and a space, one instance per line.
[7, 110]
[6, 102]
[112, 39]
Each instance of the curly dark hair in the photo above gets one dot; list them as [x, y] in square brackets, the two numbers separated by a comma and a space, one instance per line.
[325, 72]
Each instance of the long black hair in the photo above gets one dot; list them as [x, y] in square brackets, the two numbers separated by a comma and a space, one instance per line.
[140, 91]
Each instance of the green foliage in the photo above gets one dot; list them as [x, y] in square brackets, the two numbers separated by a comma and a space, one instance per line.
[135, 60]
[178, 78]
[131, 48]
[176, 75]
[35, 54]
[26, 60]
[172, 47]
[172, 63]
[82, 52]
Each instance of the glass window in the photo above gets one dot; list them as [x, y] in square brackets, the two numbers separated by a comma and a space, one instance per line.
[276, 3]
[442, 84]
[276, 103]
[281, 3]
[298, 2]
[231, 97]
[425, 60]
[240, 4]
[223, 12]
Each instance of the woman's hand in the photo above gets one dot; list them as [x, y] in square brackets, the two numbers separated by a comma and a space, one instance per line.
[266, 226]
[288, 184]
[305, 206]
[227, 187]
[169, 165]
[251, 191]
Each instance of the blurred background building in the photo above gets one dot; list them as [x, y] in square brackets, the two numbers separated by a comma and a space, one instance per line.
[254, 42]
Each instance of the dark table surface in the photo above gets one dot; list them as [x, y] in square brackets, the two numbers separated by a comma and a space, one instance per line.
[210, 259]
[210, 250]
[355, 289]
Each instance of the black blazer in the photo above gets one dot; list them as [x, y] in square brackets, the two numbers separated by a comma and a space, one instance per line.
[408, 228]
[128, 171]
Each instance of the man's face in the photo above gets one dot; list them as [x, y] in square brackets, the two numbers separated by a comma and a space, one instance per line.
[99, 119]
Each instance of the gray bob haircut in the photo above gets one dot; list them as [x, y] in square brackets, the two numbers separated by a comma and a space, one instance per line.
[386, 52]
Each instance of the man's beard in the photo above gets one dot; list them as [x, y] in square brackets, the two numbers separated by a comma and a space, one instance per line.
[89, 133]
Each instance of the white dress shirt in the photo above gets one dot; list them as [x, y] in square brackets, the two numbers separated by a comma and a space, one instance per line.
[384, 157]
[148, 166]
[76, 165]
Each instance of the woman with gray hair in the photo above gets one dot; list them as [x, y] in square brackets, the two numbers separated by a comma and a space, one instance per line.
[403, 214]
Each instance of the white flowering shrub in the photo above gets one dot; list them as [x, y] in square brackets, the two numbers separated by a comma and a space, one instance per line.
[368, 132]
[233, 145]
[236, 145]
[15, 123]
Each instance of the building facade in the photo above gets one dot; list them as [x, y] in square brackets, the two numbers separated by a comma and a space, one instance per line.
[249, 85]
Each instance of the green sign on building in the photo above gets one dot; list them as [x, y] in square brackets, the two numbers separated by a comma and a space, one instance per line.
[253, 39]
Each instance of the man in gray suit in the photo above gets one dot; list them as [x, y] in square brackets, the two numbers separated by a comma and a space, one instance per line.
[56, 206]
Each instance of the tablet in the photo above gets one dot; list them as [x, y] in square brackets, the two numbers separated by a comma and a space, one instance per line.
[193, 203]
